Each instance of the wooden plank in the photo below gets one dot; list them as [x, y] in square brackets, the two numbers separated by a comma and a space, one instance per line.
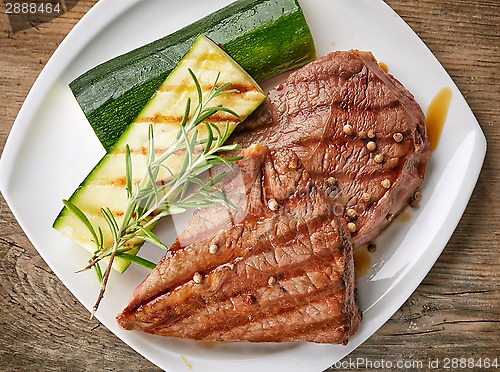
[454, 313]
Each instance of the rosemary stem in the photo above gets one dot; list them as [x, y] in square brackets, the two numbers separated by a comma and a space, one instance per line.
[104, 281]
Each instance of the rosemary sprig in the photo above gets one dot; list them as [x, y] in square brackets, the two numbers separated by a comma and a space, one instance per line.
[149, 200]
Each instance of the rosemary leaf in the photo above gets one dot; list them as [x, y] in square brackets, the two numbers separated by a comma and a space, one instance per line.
[186, 113]
[151, 145]
[208, 112]
[128, 172]
[217, 178]
[198, 87]
[210, 138]
[81, 216]
[111, 221]
[98, 272]
[137, 260]
[151, 237]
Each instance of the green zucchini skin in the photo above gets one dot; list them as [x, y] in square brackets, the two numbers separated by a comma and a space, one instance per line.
[266, 37]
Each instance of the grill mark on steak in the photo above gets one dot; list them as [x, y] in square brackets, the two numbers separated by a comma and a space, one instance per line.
[307, 114]
[269, 312]
[311, 321]
[237, 311]
[303, 245]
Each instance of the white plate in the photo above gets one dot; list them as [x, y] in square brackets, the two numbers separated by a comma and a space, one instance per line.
[52, 148]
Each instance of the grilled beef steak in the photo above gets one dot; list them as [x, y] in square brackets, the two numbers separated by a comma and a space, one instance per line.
[347, 118]
[279, 268]
[334, 154]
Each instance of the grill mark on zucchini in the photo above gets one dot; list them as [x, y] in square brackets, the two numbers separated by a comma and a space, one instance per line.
[117, 182]
[121, 182]
[143, 150]
[240, 88]
[175, 120]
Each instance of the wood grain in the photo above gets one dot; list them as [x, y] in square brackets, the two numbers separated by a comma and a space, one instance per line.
[454, 313]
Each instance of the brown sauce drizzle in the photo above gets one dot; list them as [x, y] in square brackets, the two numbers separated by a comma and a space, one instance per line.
[362, 261]
[405, 216]
[383, 66]
[436, 115]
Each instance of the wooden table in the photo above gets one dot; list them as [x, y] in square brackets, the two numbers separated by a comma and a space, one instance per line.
[454, 313]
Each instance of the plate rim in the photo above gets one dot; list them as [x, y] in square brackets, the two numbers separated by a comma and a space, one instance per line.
[75, 42]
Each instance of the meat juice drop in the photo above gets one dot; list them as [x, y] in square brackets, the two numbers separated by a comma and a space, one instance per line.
[436, 115]
[362, 261]
[383, 66]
